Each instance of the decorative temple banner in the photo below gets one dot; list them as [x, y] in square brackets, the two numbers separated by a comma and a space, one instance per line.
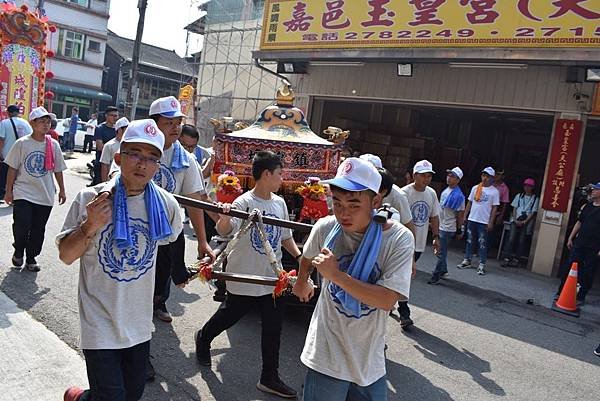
[186, 98]
[563, 157]
[23, 56]
[310, 24]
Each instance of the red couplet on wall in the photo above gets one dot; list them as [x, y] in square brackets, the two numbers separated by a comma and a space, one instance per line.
[563, 157]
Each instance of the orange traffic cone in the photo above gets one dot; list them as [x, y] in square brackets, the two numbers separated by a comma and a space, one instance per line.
[567, 302]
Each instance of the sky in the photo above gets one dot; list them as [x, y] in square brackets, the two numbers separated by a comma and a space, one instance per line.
[163, 26]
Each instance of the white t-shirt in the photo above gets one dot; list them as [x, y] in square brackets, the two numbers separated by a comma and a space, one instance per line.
[34, 183]
[8, 133]
[116, 287]
[423, 206]
[482, 210]
[108, 151]
[249, 256]
[91, 127]
[346, 347]
[186, 181]
[447, 215]
[398, 200]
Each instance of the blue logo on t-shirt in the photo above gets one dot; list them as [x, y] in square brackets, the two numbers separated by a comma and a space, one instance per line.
[344, 265]
[273, 235]
[165, 178]
[484, 198]
[420, 213]
[129, 264]
[34, 164]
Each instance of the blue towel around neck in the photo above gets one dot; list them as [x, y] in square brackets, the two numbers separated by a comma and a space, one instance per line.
[201, 154]
[158, 221]
[180, 158]
[455, 199]
[362, 264]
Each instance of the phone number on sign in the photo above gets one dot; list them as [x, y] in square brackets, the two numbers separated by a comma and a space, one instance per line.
[448, 33]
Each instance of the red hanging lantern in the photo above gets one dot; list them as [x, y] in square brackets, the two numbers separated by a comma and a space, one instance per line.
[52, 28]
[49, 95]
[50, 53]
[49, 75]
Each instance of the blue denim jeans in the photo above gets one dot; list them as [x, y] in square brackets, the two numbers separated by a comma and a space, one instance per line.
[320, 387]
[116, 374]
[477, 231]
[442, 266]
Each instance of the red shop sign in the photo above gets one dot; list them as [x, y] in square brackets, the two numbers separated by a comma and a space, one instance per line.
[563, 156]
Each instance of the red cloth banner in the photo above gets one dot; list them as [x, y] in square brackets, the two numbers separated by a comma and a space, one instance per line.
[563, 157]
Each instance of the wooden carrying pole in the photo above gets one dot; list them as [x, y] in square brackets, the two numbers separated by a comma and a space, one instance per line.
[240, 278]
[210, 207]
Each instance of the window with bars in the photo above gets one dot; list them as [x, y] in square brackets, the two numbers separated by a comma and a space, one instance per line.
[70, 44]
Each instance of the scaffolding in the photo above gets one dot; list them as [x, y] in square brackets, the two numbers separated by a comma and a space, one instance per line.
[229, 83]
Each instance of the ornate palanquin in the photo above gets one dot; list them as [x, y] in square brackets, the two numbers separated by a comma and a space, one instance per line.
[283, 129]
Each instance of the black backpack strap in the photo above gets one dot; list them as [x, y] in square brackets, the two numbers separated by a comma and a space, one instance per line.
[14, 128]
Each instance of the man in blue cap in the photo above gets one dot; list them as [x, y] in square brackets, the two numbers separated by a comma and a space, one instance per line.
[584, 244]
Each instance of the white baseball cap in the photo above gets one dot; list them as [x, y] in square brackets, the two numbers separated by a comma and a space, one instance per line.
[423, 166]
[144, 131]
[121, 123]
[37, 113]
[489, 171]
[167, 107]
[457, 171]
[373, 159]
[356, 174]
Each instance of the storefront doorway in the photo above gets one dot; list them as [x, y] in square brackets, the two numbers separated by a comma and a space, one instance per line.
[472, 139]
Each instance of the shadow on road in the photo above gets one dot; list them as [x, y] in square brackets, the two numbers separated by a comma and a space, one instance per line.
[6, 210]
[21, 287]
[476, 304]
[443, 353]
[409, 385]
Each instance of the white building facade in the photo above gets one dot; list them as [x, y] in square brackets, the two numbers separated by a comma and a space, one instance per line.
[79, 44]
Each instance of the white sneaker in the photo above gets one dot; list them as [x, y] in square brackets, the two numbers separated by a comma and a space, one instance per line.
[465, 264]
[481, 269]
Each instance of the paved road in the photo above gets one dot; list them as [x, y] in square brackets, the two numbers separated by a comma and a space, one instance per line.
[469, 344]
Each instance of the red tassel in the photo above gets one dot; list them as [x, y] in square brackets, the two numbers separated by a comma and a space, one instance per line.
[205, 273]
[283, 282]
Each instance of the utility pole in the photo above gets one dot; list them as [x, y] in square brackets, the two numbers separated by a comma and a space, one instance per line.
[132, 87]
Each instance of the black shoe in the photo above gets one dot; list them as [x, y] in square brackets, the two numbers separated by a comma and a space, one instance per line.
[31, 265]
[597, 351]
[434, 280]
[202, 350]
[150, 372]
[275, 386]
[406, 323]
[17, 261]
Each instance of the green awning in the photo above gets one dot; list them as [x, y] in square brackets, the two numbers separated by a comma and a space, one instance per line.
[78, 91]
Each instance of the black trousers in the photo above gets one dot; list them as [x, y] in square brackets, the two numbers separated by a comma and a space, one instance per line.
[170, 263]
[3, 174]
[29, 227]
[403, 309]
[88, 141]
[587, 262]
[116, 374]
[271, 313]
[97, 169]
